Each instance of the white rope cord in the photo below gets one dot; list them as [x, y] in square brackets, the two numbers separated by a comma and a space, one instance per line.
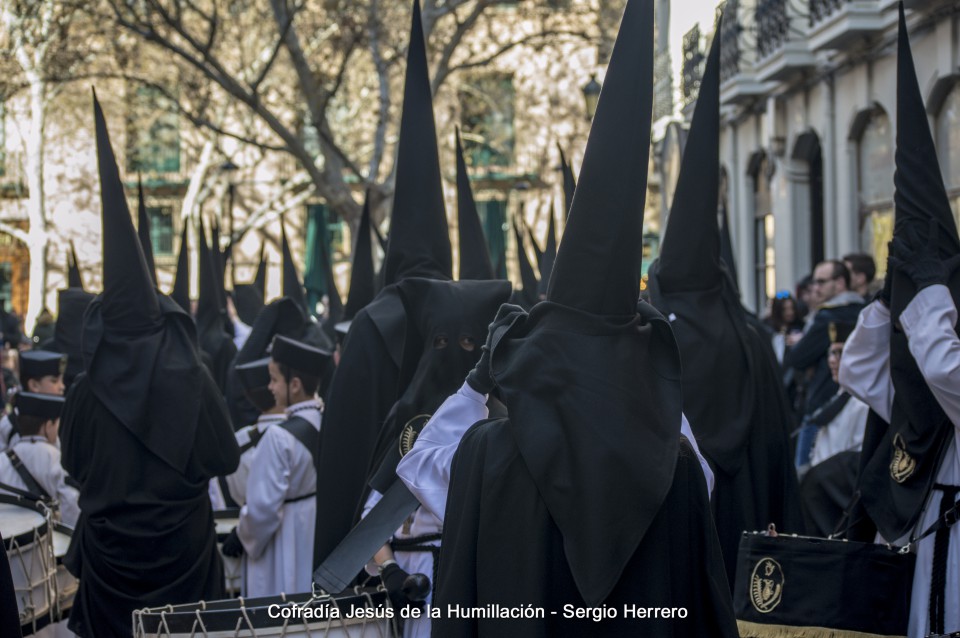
[199, 621]
[243, 610]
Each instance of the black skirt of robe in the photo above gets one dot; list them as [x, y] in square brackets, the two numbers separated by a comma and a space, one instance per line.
[146, 535]
[363, 389]
[501, 547]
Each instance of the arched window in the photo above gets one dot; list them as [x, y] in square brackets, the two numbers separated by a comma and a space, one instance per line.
[763, 229]
[948, 145]
[875, 185]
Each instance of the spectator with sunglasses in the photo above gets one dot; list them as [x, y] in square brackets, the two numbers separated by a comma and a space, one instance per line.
[836, 304]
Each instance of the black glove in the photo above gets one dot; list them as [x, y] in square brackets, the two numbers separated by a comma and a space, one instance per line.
[480, 378]
[232, 546]
[918, 258]
[404, 589]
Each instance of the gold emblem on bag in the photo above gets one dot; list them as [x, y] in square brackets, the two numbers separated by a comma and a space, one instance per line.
[766, 585]
[903, 465]
[410, 432]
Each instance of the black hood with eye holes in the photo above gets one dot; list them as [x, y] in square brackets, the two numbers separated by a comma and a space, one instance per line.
[446, 326]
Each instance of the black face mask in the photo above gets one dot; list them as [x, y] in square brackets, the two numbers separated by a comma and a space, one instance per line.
[446, 327]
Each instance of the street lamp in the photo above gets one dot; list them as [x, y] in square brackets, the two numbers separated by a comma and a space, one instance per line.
[591, 95]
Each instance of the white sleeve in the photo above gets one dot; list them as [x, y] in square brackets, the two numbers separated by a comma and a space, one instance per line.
[687, 432]
[426, 468]
[865, 363]
[267, 487]
[929, 322]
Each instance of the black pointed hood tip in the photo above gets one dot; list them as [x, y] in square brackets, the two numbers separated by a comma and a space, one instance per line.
[690, 254]
[419, 240]
[363, 286]
[180, 292]
[209, 309]
[474, 255]
[129, 297]
[260, 279]
[143, 232]
[74, 278]
[292, 286]
[919, 193]
[598, 263]
[549, 256]
[528, 278]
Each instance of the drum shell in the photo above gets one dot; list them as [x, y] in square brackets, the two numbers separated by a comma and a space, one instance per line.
[824, 586]
[28, 543]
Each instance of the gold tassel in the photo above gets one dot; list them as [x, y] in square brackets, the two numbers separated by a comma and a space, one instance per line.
[757, 630]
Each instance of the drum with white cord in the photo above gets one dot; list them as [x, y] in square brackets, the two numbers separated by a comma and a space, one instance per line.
[363, 613]
[26, 529]
[67, 584]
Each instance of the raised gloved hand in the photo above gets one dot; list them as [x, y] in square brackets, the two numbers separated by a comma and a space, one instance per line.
[480, 378]
[232, 546]
[918, 258]
[404, 589]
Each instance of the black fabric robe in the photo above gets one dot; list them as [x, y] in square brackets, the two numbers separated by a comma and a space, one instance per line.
[9, 613]
[512, 554]
[146, 534]
[363, 389]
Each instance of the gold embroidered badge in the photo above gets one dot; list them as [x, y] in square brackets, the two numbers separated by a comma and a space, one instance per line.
[410, 432]
[903, 465]
[766, 585]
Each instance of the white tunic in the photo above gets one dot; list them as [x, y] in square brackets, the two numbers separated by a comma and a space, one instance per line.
[929, 323]
[843, 434]
[42, 460]
[277, 536]
[237, 482]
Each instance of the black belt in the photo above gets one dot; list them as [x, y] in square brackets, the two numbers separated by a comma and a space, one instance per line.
[941, 551]
[300, 498]
[421, 544]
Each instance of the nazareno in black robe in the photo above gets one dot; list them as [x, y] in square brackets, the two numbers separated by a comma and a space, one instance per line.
[146, 535]
[513, 554]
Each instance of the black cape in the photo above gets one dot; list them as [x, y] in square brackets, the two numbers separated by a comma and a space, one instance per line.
[363, 389]
[146, 535]
[513, 554]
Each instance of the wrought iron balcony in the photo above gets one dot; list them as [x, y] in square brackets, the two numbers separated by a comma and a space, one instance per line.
[692, 65]
[822, 9]
[730, 31]
[773, 26]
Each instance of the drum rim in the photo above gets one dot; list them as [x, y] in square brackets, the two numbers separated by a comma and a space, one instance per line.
[24, 538]
[222, 615]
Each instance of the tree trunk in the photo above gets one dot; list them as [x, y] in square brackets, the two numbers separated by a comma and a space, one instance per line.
[36, 205]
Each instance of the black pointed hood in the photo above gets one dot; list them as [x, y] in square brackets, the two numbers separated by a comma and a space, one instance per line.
[623, 411]
[129, 301]
[363, 287]
[181, 280]
[219, 257]
[726, 248]
[68, 329]
[690, 252]
[260, 279]
[74, 279]
[569, 181]
[919, 430]
[291, 279]
[549, 255]
[537, 252]
[419, 242]
[143, 232]
[528, 279]
[139, 348]
[210, 310]
[474, 255]
[249, 298]
[334, 301]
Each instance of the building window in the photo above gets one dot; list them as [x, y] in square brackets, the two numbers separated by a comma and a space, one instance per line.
[153, 132]
[486, 119]
[763, 233]
[948, 146]
[161, 229]
[493, 218]
[875, 186]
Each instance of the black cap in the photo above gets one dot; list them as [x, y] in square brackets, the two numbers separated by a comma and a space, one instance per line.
[299, 356]
[254, 374]
[41, 363]
[43, 406]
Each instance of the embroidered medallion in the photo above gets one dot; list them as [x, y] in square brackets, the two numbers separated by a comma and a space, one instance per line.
[766, 585]
[903, 465]
[410, 432]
